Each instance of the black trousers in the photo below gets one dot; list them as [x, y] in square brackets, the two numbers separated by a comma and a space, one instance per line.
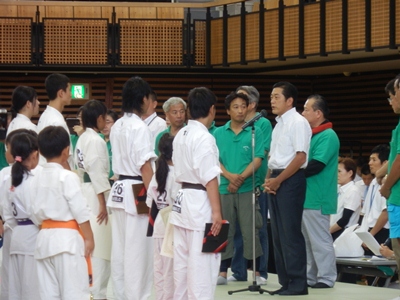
[286, 211]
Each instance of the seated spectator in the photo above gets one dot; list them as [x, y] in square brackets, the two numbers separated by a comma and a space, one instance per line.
[349, 204]
[375, 210]
[363, 186]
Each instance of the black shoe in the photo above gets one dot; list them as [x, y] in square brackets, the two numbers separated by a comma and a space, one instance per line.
[293, 293]
[277, 292]
[321, 285]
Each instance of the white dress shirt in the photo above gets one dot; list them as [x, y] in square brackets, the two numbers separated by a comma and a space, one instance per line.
[348, 197]
[291, 134]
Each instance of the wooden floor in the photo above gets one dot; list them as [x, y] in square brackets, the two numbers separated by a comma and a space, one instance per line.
[341, 291]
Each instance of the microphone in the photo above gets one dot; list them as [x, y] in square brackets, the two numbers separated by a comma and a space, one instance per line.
[262, 113]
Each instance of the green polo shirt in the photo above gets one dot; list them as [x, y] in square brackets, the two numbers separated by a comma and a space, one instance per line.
[3, 160]
[235, 153]
[168, 130]
[212, 128]
[321, 193]
[394, 197]
[266, 129]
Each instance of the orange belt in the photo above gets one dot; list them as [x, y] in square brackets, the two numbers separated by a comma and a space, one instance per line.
[72, 224]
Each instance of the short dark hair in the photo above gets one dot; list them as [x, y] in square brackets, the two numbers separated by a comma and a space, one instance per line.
[365, 170]
[17, 131]
[133, 92]
[20, 96]
[91, 111]
[54, 83]
[320, 104]
[22, 145]
[200, 100]
[349, 165]
[113, 114]
[383, 151]
[52, 141]
[232, 96]
[288, 90]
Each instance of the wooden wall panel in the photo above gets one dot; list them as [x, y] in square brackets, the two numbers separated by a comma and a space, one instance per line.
[356, 24]
[333, 26]
[200, 42]
[170, 13]
[143, 13]
[87, 12]
[291, 31]
[380, 23]
[9, 11]
[271, 34]
[234, 37]
[216, 41]
[59, 11]
[252, 40]
[311, 29]
[397, 24]
[120, 12]
[30, 12]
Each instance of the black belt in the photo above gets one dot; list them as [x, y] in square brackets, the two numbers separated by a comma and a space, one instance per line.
[193, 186]
[25, 222]
[126, 177]
[277, 171]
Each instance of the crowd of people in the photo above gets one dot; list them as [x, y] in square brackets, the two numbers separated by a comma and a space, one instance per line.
[127, 198]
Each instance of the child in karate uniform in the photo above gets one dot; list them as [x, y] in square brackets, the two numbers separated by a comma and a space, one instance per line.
[17, 213]
[6, 229]
[91, 158]
[66, 237]
[163, 190]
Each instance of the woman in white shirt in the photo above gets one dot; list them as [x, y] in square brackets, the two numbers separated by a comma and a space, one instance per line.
[349, 202]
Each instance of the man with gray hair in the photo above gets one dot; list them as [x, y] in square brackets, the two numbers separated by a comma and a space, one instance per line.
[175, 111]
[239, 263]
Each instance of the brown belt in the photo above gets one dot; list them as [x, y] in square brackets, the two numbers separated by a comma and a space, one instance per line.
[193, 186]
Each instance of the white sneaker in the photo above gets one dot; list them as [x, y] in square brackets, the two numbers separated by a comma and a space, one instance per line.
[222, 280]
[232, 278]
[261, 280]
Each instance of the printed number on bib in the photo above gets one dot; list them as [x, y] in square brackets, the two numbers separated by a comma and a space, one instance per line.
[118, 192]
[177, 207]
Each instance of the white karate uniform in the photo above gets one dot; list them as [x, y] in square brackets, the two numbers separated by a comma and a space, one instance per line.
[7, 234]
[163, 266]
[60, 252]
[91, 156]
[131, 259]
[156, 125]
[21, 122]
[52, 117]
[196, 160]
[348, 197]
[22, 285]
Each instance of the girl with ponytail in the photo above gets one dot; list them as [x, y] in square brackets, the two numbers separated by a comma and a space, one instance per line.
[25, 105]
[17, 213]
[161, 194]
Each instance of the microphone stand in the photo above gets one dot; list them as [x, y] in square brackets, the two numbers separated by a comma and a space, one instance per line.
[254, 287]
